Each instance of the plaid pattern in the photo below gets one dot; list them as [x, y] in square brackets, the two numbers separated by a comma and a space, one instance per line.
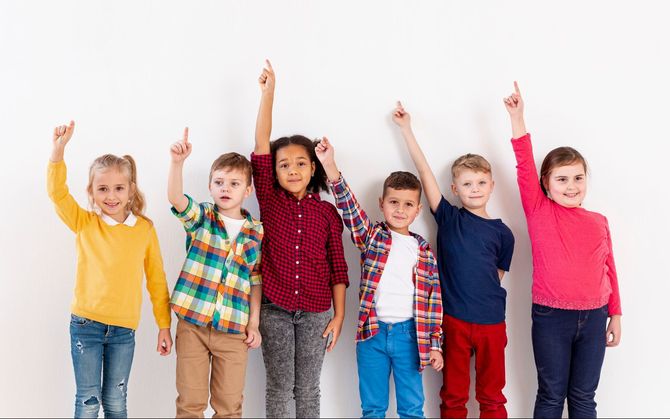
[215, 281]
[374, 242]
[303, 256]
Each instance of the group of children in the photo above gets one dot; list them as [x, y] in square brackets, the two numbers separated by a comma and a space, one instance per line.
[247, 283]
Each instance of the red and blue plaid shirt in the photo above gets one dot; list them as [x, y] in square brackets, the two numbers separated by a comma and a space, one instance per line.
[303, 255]
[374, 242]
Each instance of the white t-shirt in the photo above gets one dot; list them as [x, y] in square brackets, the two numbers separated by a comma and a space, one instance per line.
[394, 297]
[233, 226]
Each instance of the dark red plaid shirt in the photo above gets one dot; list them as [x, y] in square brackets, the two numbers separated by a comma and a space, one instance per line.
[302, 256]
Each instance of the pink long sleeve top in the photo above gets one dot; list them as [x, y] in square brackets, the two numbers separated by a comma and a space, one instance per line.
[573, 264]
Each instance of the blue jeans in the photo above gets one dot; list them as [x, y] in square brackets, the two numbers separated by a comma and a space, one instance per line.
[569, 348]
[100, 353]
[393, 348]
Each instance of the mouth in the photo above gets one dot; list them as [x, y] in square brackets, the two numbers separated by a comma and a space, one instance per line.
[225, 198]
[571, 195]
[111, 205]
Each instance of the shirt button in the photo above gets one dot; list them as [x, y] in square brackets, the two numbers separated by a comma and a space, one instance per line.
[299, 231]
[297, 276]
[297, 262]
[297, 247]
[296, 291]
[299, 215]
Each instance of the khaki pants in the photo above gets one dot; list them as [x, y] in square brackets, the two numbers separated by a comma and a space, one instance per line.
[196, 347]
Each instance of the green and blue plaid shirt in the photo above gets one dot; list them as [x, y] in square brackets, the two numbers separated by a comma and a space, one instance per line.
[215, 281]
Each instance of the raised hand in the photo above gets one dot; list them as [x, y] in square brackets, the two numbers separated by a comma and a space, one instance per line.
[62, 135]
[401, 117]
[325, 152]
[180, 150]
[514, 102]
[267, 78]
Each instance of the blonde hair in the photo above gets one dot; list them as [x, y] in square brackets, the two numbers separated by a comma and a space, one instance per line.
[126, 164]
[474, 162]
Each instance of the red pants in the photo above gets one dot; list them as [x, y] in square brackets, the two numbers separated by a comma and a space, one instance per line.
[487, 342]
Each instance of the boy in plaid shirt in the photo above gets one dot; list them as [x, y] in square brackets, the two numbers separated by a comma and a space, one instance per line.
[217, 296]
[400, 314]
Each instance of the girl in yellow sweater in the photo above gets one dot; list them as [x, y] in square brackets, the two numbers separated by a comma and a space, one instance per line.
[116, 246]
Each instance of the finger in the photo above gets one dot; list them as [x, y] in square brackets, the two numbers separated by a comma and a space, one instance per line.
[516, 88]
[268, 64]
[325, 141]
[326, 332]
[333, 342]
[185, 138]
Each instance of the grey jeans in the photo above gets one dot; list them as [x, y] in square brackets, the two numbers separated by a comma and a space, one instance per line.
[293, 351]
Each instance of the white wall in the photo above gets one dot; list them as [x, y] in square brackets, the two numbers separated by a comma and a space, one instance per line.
[134, 73]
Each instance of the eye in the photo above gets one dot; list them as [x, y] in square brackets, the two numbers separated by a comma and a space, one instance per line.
[302, 164]
[579, 178]
[410, 204]
[393, 202]
[218, 182]
[120, 188]
[235, 184]
[483, 182]
[466, 184]
[102, 189]
[283, 165]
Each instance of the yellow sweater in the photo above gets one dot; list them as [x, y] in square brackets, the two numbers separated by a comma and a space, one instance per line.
[111, 261]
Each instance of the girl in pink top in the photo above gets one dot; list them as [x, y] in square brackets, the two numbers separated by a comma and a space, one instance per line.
[575, 286]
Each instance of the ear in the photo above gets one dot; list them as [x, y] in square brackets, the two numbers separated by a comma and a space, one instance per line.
[418, 208]
[313, 168]
[453, 189]
[493, 184]
[381, 201]
[248, 191]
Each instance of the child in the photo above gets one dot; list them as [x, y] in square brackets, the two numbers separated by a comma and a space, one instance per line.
[116, 245]
[575, 285]
[474, 252]
[401, 305]
[303, 264]
[218, 294]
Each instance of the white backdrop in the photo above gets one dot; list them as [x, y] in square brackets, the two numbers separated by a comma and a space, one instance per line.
[134, 73]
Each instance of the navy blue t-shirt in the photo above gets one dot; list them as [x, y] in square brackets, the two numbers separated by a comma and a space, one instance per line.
[470, 250]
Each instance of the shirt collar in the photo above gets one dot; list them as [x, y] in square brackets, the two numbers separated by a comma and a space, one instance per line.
[130, 220]
[308, 196]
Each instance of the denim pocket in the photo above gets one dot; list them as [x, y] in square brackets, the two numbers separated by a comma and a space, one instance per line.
[79, 321]
[542, 310]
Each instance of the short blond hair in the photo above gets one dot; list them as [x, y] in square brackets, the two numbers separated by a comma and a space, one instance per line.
[474, 162]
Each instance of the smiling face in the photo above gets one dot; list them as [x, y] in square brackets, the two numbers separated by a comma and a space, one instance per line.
[474, 189]
[400, 208]
[111, 191]
[566, 185]
[294, 169]
[229, 188]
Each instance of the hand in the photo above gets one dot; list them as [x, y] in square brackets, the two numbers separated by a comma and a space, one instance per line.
[325, 152]
[401, 117]
[514, 102]
[254, 338]
[267, 78]
[613, 334]
[334, 327]
[164, 346]
[180, 150]
[436, 360]
[62, 134]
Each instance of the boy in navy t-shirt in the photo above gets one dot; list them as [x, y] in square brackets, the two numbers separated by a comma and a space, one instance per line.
[473, 253]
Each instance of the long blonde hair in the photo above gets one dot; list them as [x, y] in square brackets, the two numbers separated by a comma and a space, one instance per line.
[126, 164]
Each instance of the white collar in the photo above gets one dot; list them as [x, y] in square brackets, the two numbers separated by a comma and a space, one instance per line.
[129, 221]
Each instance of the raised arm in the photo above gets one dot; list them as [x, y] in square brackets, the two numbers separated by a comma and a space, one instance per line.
[179, 151]
[264, 120]
[403, 120]
[514, 105]
[526, 172]
[356, 220]
[74, 216]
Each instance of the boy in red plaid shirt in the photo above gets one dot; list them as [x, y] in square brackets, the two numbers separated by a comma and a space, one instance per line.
[400, 314]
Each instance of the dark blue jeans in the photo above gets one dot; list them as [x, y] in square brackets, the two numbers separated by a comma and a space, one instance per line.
[102, 356]
[569, 348]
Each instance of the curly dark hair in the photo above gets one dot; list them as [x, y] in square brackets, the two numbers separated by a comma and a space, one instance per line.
[318, 182]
